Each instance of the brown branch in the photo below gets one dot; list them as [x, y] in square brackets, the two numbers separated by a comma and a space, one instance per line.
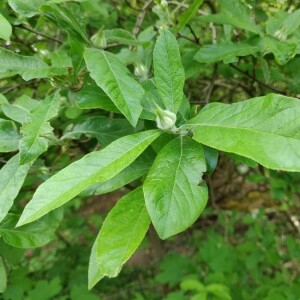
[140, 18]
[261, 83]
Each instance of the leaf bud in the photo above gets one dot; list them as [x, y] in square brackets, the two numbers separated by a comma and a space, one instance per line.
[165, 120]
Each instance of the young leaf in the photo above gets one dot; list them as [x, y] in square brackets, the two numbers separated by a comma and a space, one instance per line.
[173, 198]
[121, 36]
[32, 235]
[36, 129]
[112, 76]
[12, 176]
[121, 233]
[5, 28]
[3, 276]
[265, 129]
[189, 14]
[95, 167]
[9, 136]
[168, 70]
[27, 8]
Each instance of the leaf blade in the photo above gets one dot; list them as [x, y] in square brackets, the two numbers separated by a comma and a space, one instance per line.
[95, 167]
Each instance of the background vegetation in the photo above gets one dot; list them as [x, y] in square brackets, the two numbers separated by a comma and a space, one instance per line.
[246, 243]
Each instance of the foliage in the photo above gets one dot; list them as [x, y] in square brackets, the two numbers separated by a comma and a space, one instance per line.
[93, 101]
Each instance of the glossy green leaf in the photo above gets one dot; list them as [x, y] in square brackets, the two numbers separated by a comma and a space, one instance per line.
[97, 166]
[26, 8]
[265, 129]
[113, 77]
[3, 276]
[173, 198]
[168, 70]
[189, 13]
[12, 176]
[225, 52]
[283, 51]
[9, 136]
[122, 232]
[5, 28]
[37, 128]
[32, 235]
[121, 36]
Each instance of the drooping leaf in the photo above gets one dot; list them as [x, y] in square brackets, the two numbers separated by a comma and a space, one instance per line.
[173, 198]
[168, 70]
[189, 13]
[3, 276]
[265, 129]
[9, 136]
[97, 166]
[5, 28]
[28, 8]
[226, 52]
[12, 176]
[113, 77]
[37, 128]
[28, 67]
[121, 233]
[32, 235]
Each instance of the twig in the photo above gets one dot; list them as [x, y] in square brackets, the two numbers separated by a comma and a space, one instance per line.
[140, 18]
[180, 35]
[193, 33]
[271, 88]
[212, 84]
[21, 26]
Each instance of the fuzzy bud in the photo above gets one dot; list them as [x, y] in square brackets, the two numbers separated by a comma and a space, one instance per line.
[165, 120]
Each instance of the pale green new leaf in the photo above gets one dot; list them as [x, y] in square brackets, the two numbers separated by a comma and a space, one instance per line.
[265, 129]
[3, 276]
[95, 167]
[121, 233]
[5, 28]
[9, 136]
[26, 8]
[225, 52]
[189, 13]
[113, 77]
[31, 235]
[12, 176]
[37, 128]
[168, 70]
[172, 193]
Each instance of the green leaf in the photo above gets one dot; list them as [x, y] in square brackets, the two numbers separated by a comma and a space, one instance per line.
[3, 276]
[173, 198]
[122, 232]
[106, 130]
[37, 129]
[225, 52]
[28, 67]
[32, 235]
[190, 13]
[283, 51]
[91, 96]
[9, 136]
[113, 77]
[97, 166]
[265, 129]
[11, 254]
[27, 8]
[121, 36]
[12, 176]
[234, 13]
[219, 290]
[5, 28]
[168, 70]
[134, 171]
